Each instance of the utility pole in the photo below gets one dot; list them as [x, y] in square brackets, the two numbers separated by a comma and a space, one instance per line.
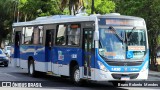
[18, 11]
[15, 8]
[92, 11]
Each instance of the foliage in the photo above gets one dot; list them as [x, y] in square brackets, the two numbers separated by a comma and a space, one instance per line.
[100, 6]
[24, 10]
[7, 13]
[38, 8]
[72, 5]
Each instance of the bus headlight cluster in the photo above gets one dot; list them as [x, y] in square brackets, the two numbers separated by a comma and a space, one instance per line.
[145, 67]
[102, 67]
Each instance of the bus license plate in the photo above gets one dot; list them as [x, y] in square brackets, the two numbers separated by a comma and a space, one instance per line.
[125, 78]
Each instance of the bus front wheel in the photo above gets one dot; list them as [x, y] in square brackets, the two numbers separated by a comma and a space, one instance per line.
[76, 75]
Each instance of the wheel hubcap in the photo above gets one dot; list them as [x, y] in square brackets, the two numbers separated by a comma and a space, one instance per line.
[31, 69]
[76, 76]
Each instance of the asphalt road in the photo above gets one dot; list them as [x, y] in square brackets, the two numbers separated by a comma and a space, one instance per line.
[13, 74]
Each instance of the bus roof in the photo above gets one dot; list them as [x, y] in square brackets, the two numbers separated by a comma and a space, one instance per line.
[69, 18]
[54, 19]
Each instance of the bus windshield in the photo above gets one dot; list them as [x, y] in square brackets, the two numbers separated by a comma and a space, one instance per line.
[120, 44]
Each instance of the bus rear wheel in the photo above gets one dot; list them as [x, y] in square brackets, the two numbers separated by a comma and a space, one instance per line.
[31, 69]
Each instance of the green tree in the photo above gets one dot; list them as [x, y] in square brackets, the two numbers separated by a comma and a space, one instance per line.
[72, 5]
[30, 9]
[6, 20]
[24, 10]
[100, 6]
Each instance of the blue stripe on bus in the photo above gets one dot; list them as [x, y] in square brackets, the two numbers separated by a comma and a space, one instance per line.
[60, 55]
[37, 52]
[63, 55]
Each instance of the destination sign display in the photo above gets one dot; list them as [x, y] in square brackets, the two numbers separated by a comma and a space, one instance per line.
[120, 22]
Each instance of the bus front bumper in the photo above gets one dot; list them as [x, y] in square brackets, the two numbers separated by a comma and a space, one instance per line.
[101, 75]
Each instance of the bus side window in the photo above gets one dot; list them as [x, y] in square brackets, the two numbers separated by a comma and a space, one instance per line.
[28, 35]
[73, 34]
[61, 35]
[41, 36]
[23, 35]
[35, 35]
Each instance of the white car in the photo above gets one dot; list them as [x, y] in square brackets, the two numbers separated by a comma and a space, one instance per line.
[7, 50]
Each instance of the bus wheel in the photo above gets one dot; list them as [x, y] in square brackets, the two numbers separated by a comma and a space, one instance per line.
[76, 75]
[31, 69]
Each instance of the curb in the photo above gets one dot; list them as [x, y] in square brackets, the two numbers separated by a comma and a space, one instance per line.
[154, 75]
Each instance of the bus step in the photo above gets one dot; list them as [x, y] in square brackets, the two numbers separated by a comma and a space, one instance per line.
[50, 73]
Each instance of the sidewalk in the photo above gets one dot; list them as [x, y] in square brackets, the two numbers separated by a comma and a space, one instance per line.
[154, 73]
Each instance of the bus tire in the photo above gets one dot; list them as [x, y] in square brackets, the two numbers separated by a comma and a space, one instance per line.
[31, 69]
[75, 76]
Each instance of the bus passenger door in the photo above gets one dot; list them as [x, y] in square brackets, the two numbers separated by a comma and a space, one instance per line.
[88, 51]
[17, 47]
[48, 50]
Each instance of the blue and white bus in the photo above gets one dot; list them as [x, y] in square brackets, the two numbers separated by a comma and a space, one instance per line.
[98, 47]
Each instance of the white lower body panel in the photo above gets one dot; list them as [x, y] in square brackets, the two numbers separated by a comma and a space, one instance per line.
[47, 66]
[41, 66]
[60, 69]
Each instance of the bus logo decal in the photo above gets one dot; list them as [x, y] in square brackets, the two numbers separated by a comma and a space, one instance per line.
[60, 56]
[125, 64]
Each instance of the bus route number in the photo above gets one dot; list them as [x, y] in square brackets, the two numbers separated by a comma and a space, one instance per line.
[116, 69]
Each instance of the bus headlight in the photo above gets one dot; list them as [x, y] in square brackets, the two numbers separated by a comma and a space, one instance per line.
[145, 67]
[102, 67]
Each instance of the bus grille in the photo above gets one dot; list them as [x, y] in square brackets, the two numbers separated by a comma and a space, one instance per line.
[118, 76]
[135, 63]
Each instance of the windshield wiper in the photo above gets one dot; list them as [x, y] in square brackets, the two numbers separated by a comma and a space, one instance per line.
[130, 34]
[116, 33]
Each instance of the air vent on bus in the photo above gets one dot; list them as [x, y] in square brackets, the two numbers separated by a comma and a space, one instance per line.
[54, 17]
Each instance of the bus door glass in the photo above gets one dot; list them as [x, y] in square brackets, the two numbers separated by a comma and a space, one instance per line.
[17, 43]
[88, 50]
[48, 44]
[17, 46]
